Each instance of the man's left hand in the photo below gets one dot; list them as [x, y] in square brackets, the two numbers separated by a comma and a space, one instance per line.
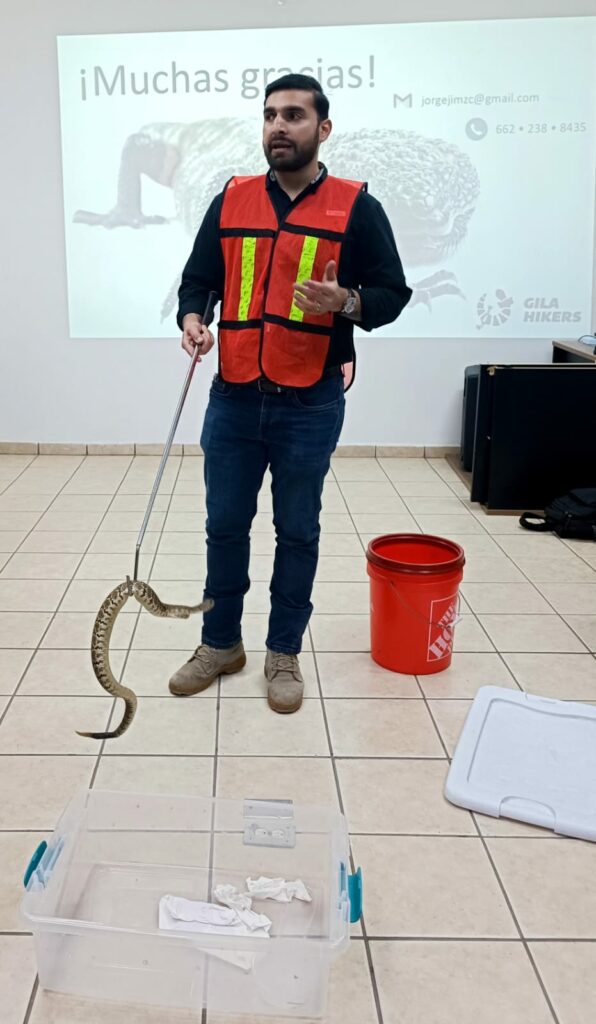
[319, 297]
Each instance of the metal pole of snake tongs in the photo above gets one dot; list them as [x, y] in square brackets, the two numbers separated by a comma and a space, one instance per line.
[207, 318]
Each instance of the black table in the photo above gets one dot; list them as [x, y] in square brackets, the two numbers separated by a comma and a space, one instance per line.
[573, 352]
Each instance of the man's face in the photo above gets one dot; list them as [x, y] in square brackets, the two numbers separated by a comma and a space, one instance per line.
[291, 130]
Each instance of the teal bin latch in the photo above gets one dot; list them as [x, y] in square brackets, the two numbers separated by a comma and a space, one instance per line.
[34, 862]
[355, 894]
[42, 864]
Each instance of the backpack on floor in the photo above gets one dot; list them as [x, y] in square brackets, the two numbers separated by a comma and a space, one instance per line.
[573, 515]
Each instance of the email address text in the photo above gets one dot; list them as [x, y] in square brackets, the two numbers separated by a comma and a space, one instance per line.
[479, 99]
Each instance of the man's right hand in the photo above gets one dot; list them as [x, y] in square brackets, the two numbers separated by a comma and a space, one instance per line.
[196, 335]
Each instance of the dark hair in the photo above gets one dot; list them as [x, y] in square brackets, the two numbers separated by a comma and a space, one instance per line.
[306, 83]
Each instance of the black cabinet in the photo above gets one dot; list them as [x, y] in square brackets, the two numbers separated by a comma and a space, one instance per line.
[534, 433]
[468, 420]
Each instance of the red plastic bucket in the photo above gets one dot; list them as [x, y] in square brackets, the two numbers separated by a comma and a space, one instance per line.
[414, 600]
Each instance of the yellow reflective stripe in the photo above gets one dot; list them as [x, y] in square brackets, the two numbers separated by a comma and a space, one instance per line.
[307, 262]
[249, 246]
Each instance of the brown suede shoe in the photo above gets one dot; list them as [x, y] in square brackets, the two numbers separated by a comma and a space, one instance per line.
[286, 685]
[206, 664]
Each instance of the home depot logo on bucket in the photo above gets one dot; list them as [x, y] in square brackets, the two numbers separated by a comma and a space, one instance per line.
[443, 617]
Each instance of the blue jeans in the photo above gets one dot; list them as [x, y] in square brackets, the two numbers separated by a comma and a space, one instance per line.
[295, 433]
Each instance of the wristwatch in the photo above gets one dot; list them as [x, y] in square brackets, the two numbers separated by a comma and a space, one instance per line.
[350, 302]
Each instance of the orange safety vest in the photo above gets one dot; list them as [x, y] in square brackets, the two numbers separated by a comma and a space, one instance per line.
[262, 332]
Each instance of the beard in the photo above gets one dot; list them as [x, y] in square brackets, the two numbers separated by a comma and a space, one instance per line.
[295, 157]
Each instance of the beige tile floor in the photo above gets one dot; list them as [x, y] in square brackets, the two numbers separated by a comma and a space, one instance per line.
[468, 920]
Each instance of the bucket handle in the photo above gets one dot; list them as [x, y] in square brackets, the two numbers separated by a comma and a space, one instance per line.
[439, 625]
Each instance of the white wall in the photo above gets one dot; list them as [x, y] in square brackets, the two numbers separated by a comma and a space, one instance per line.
[54, 389]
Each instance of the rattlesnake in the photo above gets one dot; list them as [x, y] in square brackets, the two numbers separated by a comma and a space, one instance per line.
[102, 632]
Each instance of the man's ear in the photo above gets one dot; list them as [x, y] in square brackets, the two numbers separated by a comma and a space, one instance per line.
[325, 129]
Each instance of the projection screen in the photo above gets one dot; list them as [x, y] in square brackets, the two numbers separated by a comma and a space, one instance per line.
[477, 137]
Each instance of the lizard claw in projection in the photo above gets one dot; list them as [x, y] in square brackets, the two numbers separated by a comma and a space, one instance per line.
[441, 283]
[117, 218]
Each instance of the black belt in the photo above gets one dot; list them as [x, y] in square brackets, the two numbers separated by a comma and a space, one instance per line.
[268, 387]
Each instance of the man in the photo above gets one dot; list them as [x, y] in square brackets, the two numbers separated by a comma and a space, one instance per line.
[298, 257]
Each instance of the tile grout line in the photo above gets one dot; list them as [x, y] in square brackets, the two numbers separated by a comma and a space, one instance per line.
[205, 1009]
[326, 651]
[534, 583]
[42, 514]
[557, 543]
[313, 757]
[255, 697]
[543, 940]
[55, 611]
[470, 939]
[369, 958]
[349, 511]
[509, 903]
[216, 751]
[480, 835]
[543, 596]
[31, 1002]
[436, 727]
[444, 745]
[485, 845]
[27, 534]
[355, 832]
[510, 672]
[401, 497]
[17, 477]
[35, 988]
[97, 754]
[505, 895]
[574, 552]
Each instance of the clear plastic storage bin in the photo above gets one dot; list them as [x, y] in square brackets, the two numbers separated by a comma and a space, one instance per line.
[93, 893]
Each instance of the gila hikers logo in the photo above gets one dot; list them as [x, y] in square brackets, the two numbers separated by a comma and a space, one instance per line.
[547, 309]
[493, 312]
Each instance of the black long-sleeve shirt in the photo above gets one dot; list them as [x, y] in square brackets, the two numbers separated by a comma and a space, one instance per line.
[369, 263]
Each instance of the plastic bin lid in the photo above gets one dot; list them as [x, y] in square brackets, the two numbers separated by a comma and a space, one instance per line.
[529, 758]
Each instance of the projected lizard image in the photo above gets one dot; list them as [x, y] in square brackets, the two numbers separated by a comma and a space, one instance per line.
[428, 186]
